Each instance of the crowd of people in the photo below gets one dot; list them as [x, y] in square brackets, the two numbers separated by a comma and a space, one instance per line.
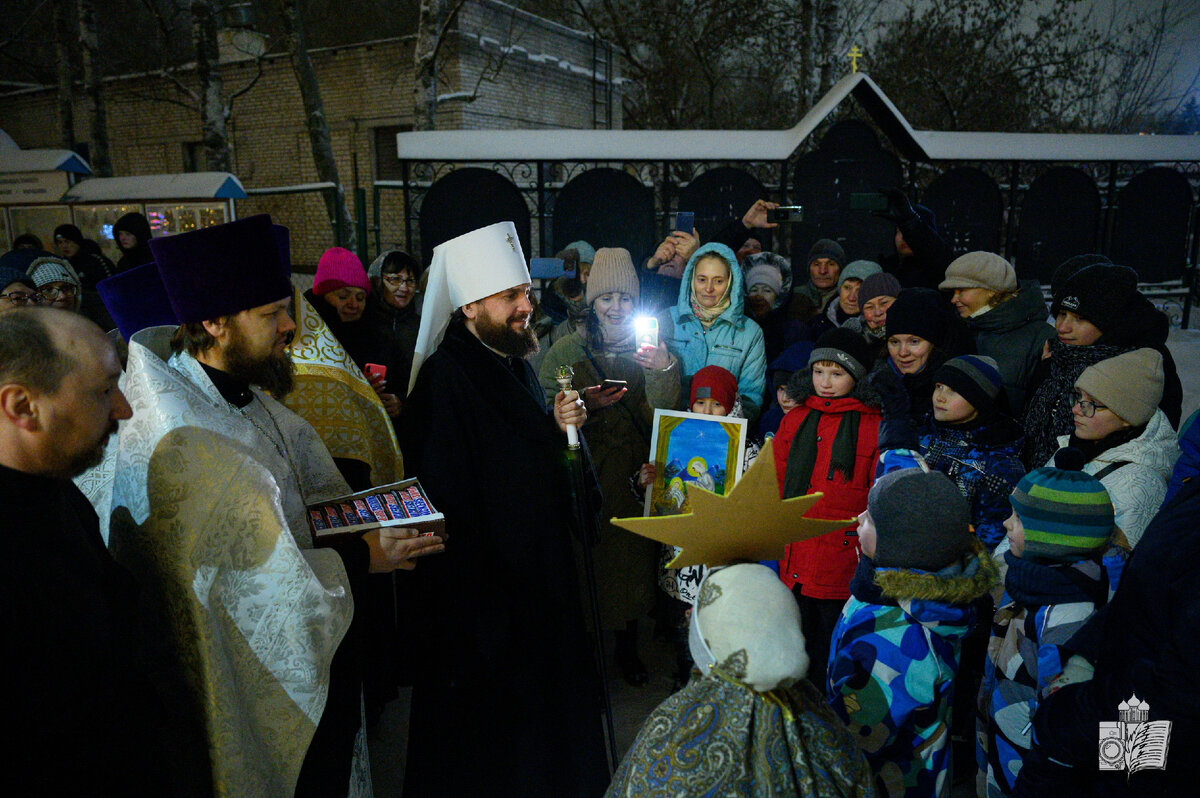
[1019, 476]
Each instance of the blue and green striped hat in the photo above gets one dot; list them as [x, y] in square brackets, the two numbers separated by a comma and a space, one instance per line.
[1067, 514]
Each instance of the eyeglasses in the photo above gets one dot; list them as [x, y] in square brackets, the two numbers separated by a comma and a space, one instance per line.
[396, 281]
[22, 298]
[1088, 409]
[54, 292]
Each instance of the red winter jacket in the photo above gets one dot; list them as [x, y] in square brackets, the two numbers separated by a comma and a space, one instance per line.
[823, 565]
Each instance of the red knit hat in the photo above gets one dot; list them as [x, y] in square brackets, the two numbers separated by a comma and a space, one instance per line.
[339, 268]
[714, 382]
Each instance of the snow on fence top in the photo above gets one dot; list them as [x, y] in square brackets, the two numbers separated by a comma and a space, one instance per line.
[778, 145]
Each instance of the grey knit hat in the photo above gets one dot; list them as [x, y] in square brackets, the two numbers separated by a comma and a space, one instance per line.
[921, 520]
[859, 270]
[612, 270]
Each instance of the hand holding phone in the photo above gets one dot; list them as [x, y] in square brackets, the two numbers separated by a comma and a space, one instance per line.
[786, 214]
[375, 372]
[685, 221]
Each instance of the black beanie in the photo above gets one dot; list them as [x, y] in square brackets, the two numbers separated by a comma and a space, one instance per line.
[919, 312]
[1102, 293]
[1070, 267]
[828, 248]
[921, 520]
[846, 348]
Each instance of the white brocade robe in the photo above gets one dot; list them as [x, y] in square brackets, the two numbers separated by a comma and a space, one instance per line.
[207, 508]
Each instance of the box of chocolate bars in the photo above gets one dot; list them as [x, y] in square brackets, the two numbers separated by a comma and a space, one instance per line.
[402, 503]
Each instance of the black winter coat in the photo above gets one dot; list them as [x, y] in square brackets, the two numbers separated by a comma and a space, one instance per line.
[505, 694]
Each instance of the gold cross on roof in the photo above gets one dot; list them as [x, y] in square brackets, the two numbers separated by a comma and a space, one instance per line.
[854, 54]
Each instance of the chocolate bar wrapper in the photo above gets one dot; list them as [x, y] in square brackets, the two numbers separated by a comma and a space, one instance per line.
[377, 508]
[418, 501]
[350, 514]
[364, 512]
[335, 518]
[318, 520]
[393, 505]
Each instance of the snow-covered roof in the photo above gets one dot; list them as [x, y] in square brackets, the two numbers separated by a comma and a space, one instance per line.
[777, 145]
[193, 185]
[16, 160]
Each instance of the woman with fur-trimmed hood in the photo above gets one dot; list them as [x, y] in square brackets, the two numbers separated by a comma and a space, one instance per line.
[896, 647]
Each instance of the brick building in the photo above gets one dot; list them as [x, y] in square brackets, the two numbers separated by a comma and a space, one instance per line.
[522, 71]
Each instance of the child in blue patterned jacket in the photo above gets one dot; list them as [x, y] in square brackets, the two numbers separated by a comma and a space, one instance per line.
[1061, 524]
[895, 651]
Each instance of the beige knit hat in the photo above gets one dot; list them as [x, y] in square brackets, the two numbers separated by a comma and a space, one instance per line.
[980, 270]
[1130, 384]
[612, 270]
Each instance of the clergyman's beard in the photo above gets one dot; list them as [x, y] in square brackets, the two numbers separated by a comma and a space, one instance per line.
[273, 373]
[503, 338]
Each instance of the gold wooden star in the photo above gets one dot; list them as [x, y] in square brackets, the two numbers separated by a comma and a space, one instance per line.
[750, 523]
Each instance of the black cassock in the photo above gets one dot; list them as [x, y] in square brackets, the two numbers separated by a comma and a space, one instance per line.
[505, 693]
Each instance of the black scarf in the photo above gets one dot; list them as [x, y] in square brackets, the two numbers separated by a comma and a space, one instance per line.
[863, 587]
[1036, 584]
[802, 458]
[1048, 413]
[1093, 449]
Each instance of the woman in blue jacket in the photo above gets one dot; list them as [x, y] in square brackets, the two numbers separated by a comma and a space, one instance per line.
[708, 325]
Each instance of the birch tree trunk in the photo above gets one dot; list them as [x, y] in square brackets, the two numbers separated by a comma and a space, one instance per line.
[93, 88]
[433, 22]
[217, 156]
[66, 104]
[827, 29]
[806, 45]
[318, 126]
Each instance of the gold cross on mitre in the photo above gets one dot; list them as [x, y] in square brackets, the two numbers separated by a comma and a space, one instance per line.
[854, 54]
[751, 523]
[511, 241]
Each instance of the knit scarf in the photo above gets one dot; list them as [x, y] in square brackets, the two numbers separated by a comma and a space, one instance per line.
[802, 458]
[1036, 584]
[1048, 413]
[707, 316]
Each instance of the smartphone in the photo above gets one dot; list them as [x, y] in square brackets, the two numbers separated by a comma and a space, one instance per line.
[868, 201]
[613, 384]
[785, 214]
[374, 370]
[548, 269]
[685, 221]
[646, 330]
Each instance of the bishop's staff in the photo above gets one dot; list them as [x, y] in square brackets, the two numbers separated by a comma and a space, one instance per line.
[589, 533]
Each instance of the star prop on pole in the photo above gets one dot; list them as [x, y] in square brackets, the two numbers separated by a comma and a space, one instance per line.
[750, 523]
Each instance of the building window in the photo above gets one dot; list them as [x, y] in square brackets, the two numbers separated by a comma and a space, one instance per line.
[387, 165]
[193, 156]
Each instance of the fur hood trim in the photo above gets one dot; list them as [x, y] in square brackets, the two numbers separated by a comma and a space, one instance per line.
[800, 387]
[977, 578]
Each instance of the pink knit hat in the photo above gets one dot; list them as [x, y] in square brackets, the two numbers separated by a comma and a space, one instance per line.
[339, 268]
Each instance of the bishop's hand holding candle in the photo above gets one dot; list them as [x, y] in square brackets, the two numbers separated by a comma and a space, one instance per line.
[569, 412]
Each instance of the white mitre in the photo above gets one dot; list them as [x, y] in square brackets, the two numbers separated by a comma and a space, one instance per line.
[466, 269]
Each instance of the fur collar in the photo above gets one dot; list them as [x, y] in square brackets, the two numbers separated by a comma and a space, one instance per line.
[800, 387]
[974, 578]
